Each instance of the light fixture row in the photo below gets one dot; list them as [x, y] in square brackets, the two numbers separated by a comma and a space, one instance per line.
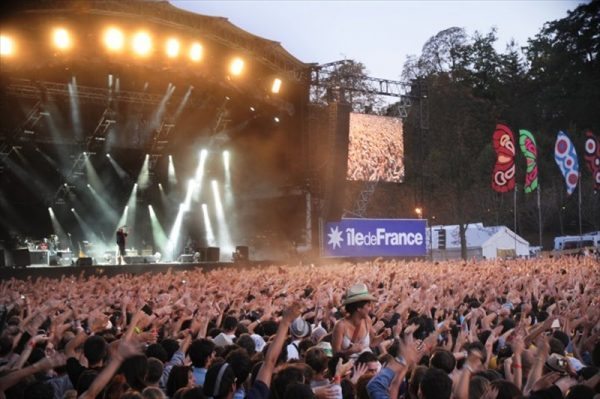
[141, 44]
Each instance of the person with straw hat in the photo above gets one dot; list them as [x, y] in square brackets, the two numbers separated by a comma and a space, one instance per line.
[352, 334]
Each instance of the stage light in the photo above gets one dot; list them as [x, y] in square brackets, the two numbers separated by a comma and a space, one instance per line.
[236, 67]
[276, 119]
[107, 155]
[223, 230]
[172, 176]
[73, 210]
[276, 86]
[89, 186]
[158, 233]
[172, 48]
[252, 109]
[143, 180]
[210, 235]
[50, 209]
[7, 46]
[196, 52]
[226, 162]
[142, 44]
[114, 40]
[62, 39]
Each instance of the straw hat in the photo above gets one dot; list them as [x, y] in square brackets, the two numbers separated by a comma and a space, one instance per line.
[357, 293]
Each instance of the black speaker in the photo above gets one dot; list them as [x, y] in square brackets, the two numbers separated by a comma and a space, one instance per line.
[21, 258]
[84, 261]
[213, 254]
[203, 251]
[242, 252]
[442, 239]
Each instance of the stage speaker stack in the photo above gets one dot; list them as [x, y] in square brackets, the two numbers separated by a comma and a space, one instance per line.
[213, 254]
[334, 156]
[21, 258]
[83, 261]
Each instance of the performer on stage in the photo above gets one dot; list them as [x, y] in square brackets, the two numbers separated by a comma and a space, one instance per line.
[121, 236]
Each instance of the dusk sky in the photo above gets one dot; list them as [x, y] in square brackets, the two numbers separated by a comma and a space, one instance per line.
[379, 34]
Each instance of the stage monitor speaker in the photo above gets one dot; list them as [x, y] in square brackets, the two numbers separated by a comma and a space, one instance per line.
[213, 254]
[84, 261]
[242, 252]
[203, 251]
[21, 258]
[186, 258]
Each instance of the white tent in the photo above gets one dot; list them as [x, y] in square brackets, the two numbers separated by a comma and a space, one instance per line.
[489, 242]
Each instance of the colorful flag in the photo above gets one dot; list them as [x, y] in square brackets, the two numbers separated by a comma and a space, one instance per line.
[529, 150]
[503, 177]
[592, 157]
[566, 159]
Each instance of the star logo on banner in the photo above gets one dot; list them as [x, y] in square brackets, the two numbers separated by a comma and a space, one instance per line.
[335, 237]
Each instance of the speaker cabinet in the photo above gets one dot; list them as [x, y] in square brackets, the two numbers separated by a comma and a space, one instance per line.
[21, 258]
[84, 261]
[213, 254]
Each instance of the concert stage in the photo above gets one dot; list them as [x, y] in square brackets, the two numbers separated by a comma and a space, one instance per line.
[57, 272]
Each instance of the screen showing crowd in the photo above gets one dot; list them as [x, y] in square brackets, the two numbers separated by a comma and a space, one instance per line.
[375, 149]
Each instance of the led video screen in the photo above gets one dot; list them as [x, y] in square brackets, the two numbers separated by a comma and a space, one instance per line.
[375, 149]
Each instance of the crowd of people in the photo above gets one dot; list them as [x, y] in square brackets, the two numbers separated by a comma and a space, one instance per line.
[375, 329]
[375, 151]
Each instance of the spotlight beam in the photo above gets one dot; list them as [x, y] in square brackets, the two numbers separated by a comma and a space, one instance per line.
[158, 233]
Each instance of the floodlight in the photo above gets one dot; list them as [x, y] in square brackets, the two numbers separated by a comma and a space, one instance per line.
[142, 44]
[236, 67]
[196, 52]
[7, 45]
[276, 86]
[62, 39]
[172, 48]
[114, 40]
[276, 119]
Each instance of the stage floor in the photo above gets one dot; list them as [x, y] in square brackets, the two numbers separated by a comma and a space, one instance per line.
[113, 270]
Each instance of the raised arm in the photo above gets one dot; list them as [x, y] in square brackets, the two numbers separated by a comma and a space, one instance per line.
[266, 370]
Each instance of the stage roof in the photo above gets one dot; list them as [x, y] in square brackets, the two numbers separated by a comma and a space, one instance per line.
[216, 29]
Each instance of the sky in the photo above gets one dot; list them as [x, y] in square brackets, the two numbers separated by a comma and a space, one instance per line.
[380, 34]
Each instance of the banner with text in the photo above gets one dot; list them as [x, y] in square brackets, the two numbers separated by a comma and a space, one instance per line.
[375, 237]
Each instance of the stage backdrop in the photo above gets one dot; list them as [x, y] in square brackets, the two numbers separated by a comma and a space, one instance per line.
[375, 149]
[375, 237]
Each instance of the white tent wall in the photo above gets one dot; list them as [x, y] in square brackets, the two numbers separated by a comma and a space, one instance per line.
[482, 242]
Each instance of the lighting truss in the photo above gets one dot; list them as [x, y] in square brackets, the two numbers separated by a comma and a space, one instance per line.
[26, 88]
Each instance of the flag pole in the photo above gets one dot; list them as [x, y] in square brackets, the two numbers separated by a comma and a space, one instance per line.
[539, 204]
[515, 217]
[579, 203]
